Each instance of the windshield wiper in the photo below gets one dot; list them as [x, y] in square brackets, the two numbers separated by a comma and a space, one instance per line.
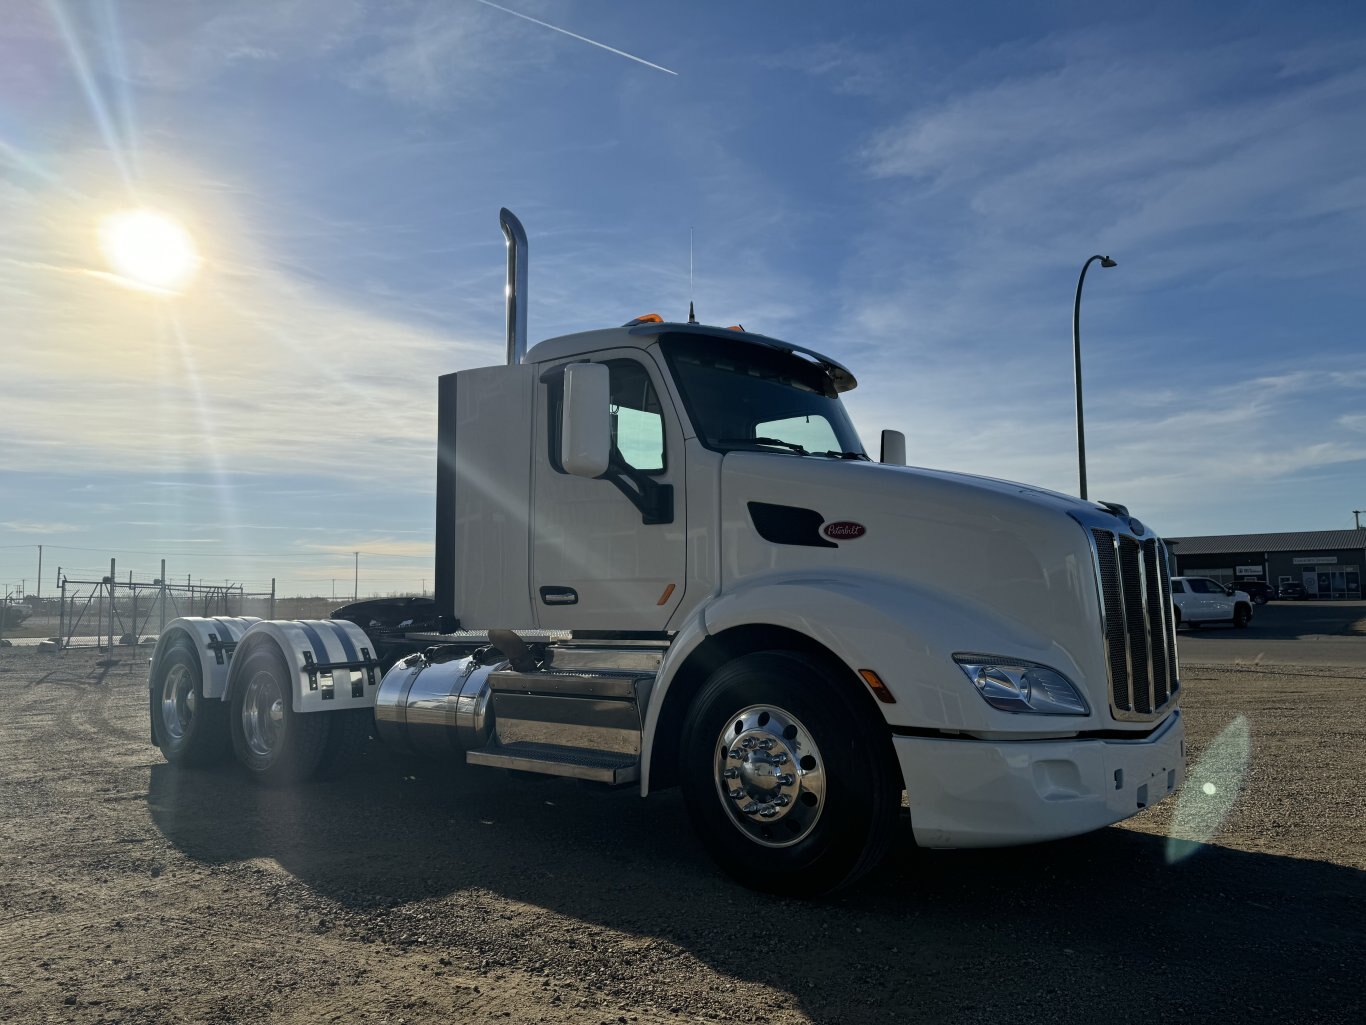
[847, 455]
[791, 446]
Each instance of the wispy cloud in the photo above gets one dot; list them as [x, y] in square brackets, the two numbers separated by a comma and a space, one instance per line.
[386, 546]
[251, 365]
[30, 527]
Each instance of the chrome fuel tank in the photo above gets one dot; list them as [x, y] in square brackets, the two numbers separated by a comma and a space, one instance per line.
[435, 708]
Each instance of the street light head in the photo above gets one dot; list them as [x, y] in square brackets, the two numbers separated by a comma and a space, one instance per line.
[1105, 261]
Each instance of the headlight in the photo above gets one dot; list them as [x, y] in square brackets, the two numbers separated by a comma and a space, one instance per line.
[1014, 685]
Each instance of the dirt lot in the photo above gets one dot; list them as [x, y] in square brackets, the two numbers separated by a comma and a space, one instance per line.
[413, 892]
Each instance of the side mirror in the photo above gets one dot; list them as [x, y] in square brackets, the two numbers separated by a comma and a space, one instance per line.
[586, 420]
[893, 448]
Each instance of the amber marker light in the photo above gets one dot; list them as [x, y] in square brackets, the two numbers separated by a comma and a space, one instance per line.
[665, 596]
[879, 688]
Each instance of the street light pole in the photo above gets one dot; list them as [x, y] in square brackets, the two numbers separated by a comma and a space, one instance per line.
[1105, 261]
[355, 587]
[1357, 513]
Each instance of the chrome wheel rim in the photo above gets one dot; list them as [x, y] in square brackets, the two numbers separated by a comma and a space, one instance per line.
[177, 702]
[263, 714]
[770, 776]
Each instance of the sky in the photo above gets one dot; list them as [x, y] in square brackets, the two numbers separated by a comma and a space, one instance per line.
[912, 188]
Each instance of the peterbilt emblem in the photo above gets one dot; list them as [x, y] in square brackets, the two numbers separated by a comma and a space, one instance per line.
[1135, 525]
[844, 530]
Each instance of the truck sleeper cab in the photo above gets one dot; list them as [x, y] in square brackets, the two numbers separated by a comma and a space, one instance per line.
[664, 558]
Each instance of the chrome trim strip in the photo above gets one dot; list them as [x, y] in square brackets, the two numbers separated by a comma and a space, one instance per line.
[1124, 612]
[1147, 624]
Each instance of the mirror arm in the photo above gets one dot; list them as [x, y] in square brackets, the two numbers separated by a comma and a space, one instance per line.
[654, 501]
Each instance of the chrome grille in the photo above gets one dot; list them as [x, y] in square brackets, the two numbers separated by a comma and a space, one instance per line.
[1140, 638]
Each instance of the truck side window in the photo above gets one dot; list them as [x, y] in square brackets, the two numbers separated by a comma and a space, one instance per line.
[637, 422]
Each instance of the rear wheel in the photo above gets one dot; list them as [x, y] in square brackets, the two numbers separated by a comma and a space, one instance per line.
[190, 729]
[789, 781]
[276, 744]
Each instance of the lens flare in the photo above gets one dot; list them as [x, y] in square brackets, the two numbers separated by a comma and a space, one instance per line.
[1211, 790]
[149, 250]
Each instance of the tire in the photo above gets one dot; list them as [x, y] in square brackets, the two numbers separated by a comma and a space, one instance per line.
[347, 734]
[190, 729]
[277, 745]
[1242, 616]
[1260, 599]
[842, 792]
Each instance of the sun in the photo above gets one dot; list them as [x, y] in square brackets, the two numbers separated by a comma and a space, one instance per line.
[149, 250]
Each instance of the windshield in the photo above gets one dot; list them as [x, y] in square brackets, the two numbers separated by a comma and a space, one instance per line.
[747, 397]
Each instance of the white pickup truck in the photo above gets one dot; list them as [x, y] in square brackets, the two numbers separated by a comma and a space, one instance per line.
[1200, 600]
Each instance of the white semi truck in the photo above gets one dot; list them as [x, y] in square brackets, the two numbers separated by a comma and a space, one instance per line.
[664, 559]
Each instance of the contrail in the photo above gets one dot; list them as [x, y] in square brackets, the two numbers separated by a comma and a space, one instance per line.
[574, 35]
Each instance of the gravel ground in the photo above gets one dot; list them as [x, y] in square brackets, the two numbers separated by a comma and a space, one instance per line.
[412, 892]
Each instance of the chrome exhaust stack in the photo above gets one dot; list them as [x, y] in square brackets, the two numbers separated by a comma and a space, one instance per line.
[515, 235]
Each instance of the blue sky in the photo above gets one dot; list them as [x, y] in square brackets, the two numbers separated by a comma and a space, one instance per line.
[911, 187]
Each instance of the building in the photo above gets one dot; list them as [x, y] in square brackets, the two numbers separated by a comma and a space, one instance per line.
[1327, 562]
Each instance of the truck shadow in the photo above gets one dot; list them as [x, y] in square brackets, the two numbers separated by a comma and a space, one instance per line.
[1101, 927]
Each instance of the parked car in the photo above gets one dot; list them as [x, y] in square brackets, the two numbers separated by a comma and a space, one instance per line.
[1258, 590]
[1292, 592]
[1200, 600]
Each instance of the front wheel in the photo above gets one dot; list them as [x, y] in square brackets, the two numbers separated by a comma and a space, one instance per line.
[276, 744]
[1242, 615]
[789, 779]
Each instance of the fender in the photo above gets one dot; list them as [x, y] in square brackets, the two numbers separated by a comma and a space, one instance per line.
[685, 642]
[213, 639]
[904, 631]
[332, 662]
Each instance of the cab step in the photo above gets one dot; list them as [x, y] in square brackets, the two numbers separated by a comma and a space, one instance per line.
[558, 760]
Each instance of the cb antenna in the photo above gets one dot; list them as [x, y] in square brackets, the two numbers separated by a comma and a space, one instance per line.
[692, 292]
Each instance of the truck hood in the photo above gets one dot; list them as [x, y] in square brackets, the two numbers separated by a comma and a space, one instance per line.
[1004, 567]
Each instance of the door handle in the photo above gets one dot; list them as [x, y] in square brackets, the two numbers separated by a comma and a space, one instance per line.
[559, 596]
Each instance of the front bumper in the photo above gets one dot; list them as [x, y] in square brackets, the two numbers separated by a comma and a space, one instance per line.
[975, 793]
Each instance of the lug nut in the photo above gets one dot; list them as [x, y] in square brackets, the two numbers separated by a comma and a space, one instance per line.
[737, 793]
[785, 779]
[768, 811]
[737, 753]
[780, 758]
[730, 773]
[782, 800]
[767, 744]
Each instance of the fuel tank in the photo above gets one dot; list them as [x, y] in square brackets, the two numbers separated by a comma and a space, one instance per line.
[436, 708]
